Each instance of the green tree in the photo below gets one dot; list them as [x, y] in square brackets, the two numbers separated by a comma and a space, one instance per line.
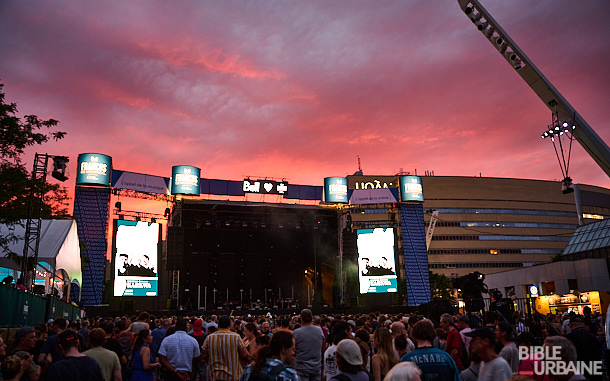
[440, 286]
[17, 134]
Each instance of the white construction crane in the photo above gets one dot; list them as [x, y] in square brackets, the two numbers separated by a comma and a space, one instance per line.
[565, 118]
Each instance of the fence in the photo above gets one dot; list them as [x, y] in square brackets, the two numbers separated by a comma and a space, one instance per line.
[20, 308]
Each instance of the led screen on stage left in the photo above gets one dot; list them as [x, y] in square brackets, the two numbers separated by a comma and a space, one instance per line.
[376, 265]
[136, 258]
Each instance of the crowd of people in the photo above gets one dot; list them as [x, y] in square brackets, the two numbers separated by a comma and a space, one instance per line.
[308, 347]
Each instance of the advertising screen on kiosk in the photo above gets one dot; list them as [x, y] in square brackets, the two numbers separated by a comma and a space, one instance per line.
[411, 188]
[185, 180]
[376, 265]
[136, 252]
[335, 190]
[94, 169]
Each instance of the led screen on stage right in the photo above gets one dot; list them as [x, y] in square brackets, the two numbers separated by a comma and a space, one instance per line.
[376, 266]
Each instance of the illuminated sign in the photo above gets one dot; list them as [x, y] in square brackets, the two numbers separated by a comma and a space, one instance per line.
[265, 186]
[411, 188]
[376, 265]
[136, 258]
[94, 169]
[185, 180]
[372, 182]
[335, 189]
[533, 291]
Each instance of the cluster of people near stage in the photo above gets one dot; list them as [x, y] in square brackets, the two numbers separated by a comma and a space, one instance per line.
[361, 347]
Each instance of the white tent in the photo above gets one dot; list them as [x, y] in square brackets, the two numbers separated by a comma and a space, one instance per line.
[59, 248]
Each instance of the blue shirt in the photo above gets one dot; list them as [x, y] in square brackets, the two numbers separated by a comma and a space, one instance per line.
[180, 350]
[288, 374]
[434, 364]
[158, 334]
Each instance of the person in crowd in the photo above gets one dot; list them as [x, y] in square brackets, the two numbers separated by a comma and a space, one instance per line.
[404, 371]
[340, 331]
[142, 359]
[362, 338]
[567, 355]
[309, 340]
[434, 363]
[50, 352]
[113, 344]
[25, 340]
[463, 323]
[213, 323]
[158, 335]
[13, 368]
[396, 329]
[265, 329]
[41, 330]
[74, 326]
[510, 352]
[384, 359]
[472, 372]
[107, 359]
[75, 365]
[493, 367]
[349, 362]
[251, 332]
[565, 325]
[237, 328]
[400, 346]
[142, 322]
[179, 353]
[454, 340]
[588, 348]
[529, 363]
[223, 350]
[271, 361]
[84, 330]
[198, 333]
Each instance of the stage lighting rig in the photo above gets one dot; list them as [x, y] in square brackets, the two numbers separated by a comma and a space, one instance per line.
[557, 131]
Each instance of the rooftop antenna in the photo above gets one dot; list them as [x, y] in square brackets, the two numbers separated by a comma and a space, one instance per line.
[359, 172]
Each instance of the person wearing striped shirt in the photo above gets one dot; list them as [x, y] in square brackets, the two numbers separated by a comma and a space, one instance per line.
[223, 350]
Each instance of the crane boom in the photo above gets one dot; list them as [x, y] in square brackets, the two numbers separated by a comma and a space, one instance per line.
[584, 134]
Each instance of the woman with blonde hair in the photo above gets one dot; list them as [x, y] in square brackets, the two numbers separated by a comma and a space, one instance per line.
[384, 359]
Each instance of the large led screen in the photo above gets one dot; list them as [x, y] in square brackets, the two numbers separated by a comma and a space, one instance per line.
[335, 190]
[185, 180]
[376, 266]
[136, 258]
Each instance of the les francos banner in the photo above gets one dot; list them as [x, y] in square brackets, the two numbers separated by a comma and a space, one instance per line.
[94, 169]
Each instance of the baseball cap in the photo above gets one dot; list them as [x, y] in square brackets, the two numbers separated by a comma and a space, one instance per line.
[577, 319]
[482, 332]
[22, 332]
[349, 350]
[66, 338]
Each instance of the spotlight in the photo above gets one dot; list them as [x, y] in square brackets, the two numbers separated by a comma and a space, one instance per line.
[510, 55]
[488, 32]
[468, 10]
[565, 124]
[566, 186]
[481, 25]
[502, 47]
[517, 63]
[118, 205]
[475, 17]
[59, 168]
[499, 40]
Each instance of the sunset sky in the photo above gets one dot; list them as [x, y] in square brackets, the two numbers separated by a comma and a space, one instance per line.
[300, 89]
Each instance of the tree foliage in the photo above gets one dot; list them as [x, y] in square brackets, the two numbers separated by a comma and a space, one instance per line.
[440, 286]
[17, 134]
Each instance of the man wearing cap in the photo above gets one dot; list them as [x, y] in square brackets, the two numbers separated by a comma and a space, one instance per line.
[309, 340]
[587, 346]
[25, 340]
[493, 367]
[75, 365]
[435, 364]
[222, 350]
[509, 351]
[464, 326]
[349, 362]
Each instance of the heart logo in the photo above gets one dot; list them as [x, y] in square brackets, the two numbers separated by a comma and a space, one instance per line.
[268, 187]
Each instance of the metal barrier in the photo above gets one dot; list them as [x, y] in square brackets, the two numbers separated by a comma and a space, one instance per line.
[20, 308]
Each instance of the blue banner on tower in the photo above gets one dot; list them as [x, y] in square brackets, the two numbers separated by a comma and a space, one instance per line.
[91, 212]
[185, 180]
[416, 256]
